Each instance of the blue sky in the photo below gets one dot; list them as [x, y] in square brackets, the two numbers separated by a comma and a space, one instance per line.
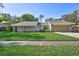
[47, 9]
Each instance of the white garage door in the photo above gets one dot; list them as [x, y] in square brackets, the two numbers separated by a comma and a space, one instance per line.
[61, 28]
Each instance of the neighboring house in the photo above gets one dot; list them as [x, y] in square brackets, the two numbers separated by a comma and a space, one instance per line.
[58, 26]
[24, 26]
[3, 25]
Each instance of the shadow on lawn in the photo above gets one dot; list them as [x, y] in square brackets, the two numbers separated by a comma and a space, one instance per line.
[21, 36]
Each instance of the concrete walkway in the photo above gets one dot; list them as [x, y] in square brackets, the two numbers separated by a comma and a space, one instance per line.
[40, 43]
[76, 35]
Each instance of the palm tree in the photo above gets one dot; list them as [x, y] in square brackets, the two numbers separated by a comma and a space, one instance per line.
[40, 17]
[39, 26]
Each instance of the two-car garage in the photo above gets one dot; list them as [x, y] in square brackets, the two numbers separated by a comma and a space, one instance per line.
[61, 28]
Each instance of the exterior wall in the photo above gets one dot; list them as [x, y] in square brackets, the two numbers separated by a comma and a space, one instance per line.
[4, 25]
[20, 29]
[29, 28]
[46, 26]
[76, 29]
[25, 28]
[61, 28]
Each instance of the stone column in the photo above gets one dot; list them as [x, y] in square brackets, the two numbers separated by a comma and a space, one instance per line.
[49, 27]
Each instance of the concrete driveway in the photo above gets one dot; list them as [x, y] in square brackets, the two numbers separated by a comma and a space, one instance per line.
[76, 35]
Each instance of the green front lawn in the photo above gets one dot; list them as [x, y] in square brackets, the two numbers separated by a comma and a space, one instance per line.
[39, 50]
[34, 36]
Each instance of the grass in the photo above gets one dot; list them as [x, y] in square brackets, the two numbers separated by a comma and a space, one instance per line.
[49, 36]
[39, 50]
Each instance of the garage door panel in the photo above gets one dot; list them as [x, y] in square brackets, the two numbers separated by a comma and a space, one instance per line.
[61, 28]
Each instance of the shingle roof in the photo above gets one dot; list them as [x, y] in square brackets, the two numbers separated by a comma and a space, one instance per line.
[34, 23]
[26, 23]
[61, 22]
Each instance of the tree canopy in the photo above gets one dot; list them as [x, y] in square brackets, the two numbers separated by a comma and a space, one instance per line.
[28, 17]
[49, 19]
[1, 5]
[72, 17]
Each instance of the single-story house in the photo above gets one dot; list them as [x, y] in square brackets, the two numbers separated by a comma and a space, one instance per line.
[4, 25]
[58, 26]
[24, 26]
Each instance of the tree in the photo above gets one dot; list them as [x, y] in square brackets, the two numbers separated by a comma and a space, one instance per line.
[14, 19]
[5, 16]
[1, 14]
[72, 17]
[65, 17]
[2, 19]
[39, 26]
[76, 13]
[49, 19]
[1, 5]
[28, 17]
[40, 17]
